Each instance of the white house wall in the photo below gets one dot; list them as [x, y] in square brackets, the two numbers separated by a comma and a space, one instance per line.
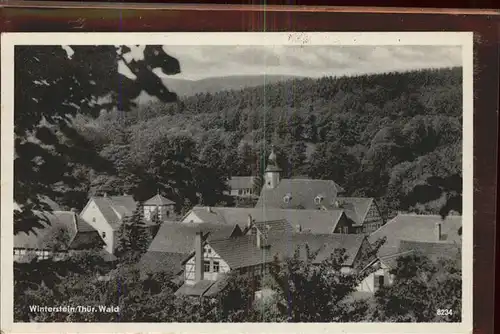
[93, 216]
[368, 284]
[208, 255]
[192, 218]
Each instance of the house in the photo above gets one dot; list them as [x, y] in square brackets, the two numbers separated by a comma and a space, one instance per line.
[208, 265]
[160, 205]
[296, 193]
[242, 186]
[105, 214]
[309, 194]
[418, 228]
[407, 234]
[305, 221]
[174, 241]
[364, 211]
[60, 233]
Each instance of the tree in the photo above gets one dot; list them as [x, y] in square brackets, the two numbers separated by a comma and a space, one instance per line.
[133, 236]
[54, 84]
[416, 276]
[314, 293]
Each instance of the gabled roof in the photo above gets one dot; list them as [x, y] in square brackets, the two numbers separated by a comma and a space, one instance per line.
[303, 193]
[198, 289]
[179, 237]
[87, 240]
[241, 182]
[152, 262]
[158, 200]
[83, 226]
[356, 207]
[412, 227]
[243, 252]
[114, 208]
[57, 226]
[314, 221]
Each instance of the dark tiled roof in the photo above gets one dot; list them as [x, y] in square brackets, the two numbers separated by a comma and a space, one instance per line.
[303, 193]
[314, 221]
[413, 227]
[198, 289]
[241, 182]
[86, 240]
[274, 226]
[83, 226]
[152, 262]
[243, 251]
[356, 207]
[179, 237]
[159, 200]
[53, 226]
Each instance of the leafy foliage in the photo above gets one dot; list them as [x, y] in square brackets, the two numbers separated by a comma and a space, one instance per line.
[394, 136]
[417, 276]
[52, 86]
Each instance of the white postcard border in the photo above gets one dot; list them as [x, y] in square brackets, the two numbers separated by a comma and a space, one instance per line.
[9, 40]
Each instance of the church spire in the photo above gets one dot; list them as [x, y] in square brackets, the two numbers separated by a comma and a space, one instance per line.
[272, 172]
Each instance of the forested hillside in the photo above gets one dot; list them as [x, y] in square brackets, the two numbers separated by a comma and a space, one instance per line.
[394, 136]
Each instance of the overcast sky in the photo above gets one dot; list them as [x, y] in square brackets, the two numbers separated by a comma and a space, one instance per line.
[314, 61]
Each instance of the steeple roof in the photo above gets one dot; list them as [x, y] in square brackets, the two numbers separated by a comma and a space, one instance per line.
[158, 200]
[272, 164]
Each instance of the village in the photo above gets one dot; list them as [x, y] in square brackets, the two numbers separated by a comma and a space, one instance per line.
[201, 247]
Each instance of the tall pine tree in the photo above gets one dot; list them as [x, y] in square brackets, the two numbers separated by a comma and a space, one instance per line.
[133, 236]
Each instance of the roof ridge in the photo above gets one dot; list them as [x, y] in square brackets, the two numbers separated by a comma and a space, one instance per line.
[412, 214]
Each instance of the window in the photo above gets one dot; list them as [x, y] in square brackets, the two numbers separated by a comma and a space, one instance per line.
[344, 229]
[168, 213]
[209, 250]
[93, 219]
[240, 192]
[206, 265]
[379, 281]
[104, 234]
[216, 266]
[318, 199]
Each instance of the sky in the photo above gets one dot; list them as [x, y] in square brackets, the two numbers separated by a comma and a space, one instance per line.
[199, 62]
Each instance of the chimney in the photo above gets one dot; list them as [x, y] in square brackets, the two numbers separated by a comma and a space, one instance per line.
[437, 231]
[209, 209]
[105, 194]
[198, 253]
[74, 210]
[259, 239]
[299, 228]
[249, 221]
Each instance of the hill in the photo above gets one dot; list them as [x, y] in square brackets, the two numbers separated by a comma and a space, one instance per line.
[393, 136]
[213, 85]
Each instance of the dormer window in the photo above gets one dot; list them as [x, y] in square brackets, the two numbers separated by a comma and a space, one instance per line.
[287, 198]
[318, 199]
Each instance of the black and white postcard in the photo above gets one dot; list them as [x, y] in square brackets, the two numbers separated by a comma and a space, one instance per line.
[237, 182]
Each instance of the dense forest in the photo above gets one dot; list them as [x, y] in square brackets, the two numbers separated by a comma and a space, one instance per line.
[393, 136]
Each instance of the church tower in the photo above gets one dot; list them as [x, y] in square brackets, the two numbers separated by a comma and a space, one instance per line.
[272, 172]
